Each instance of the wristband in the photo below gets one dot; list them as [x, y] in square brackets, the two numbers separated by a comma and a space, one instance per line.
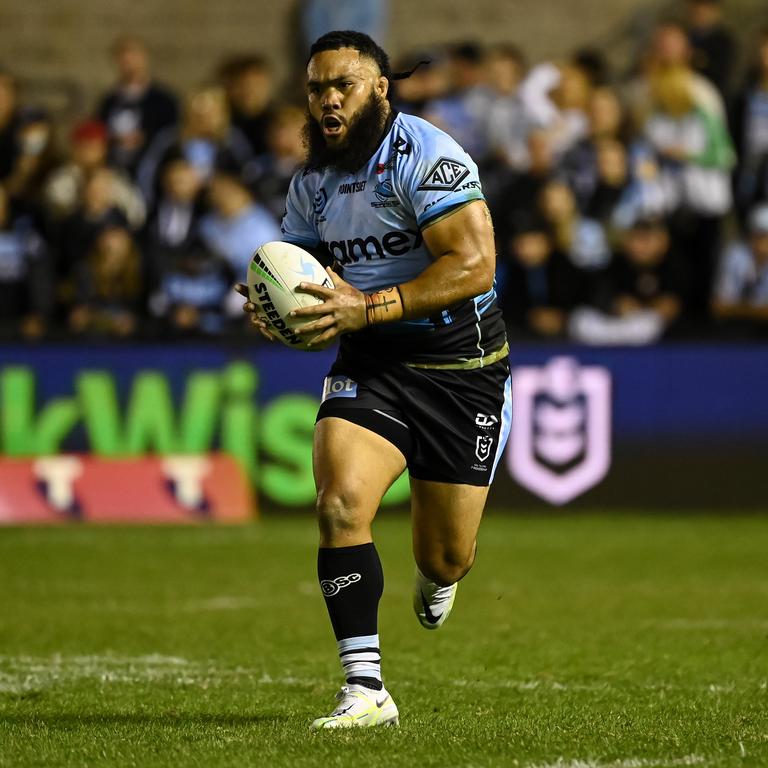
[384, 306]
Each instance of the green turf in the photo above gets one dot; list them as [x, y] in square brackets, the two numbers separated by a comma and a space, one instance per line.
[613, 641]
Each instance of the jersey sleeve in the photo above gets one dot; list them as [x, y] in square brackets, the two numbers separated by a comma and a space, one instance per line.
[440, 176]
[298, 225]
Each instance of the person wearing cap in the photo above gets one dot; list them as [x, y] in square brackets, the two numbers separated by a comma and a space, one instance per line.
[741, 289]
[63, 189]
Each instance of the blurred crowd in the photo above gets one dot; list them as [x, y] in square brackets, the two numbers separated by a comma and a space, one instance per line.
[627, 207]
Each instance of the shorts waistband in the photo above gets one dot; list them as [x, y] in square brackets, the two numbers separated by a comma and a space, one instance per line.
[466, 365]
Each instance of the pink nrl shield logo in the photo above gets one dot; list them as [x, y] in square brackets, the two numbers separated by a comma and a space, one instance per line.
[561, 430]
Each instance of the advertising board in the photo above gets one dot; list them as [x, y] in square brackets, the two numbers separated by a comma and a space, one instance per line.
[641, 427]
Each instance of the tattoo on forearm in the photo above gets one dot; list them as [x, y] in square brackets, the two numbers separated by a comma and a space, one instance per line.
[383, 306]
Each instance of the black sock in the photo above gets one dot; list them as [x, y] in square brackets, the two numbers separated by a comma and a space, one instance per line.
[352, 582]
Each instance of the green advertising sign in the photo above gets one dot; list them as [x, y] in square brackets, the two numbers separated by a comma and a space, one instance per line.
[218, 409]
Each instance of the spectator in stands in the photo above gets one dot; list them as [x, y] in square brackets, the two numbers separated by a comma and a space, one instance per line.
[35, 158]
[761, 181]
[629, 187]
[78, 232]
[173, 228]
[191, 291]
[429, 81]
[508, 124]
[247, 82]
[206, 139]
[26, 149]
[612, 182]
[669, 49]
[269, 175]
[639, 296]
[697, 157]
[109, 287]
[540, 285]
[580, 239]
[713, 45]
[594, 64]
[741, 290]
[236, 225]
[137, 108]
[556, 99]
[520, 195]
[606, 122]
[63, 190]
[25, 274]
[9, 125]
[463, 111]
[645, 275]
[749, 123]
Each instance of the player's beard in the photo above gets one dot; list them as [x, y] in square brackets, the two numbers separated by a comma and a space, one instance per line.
[364, 134]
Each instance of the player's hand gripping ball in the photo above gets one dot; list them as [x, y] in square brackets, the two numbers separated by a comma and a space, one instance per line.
[274, 274]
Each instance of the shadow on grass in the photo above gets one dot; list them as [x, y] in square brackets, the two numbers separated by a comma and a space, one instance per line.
[107, 719]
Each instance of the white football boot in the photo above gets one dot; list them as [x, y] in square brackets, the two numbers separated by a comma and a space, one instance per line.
[431, 602]
[359, 707]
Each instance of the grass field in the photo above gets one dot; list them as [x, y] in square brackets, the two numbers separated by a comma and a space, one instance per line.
[576, 642]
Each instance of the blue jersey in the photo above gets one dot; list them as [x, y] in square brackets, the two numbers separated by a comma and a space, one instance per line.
[370, 224]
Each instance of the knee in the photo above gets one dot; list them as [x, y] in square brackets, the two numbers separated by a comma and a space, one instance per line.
[446, 565]
[338, 517]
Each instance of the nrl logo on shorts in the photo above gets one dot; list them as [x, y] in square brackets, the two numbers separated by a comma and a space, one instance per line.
[561, 432]
[445, 175]
[483, 447]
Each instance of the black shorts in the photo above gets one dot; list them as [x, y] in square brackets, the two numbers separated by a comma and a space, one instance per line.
[451, 425]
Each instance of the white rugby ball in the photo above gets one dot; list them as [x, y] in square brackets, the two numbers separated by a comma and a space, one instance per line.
[275, 271]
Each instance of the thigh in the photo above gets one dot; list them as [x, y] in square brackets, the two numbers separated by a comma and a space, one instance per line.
[353, 468]
[445, 519]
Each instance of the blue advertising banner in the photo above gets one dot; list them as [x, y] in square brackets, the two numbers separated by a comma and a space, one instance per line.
[670, 425]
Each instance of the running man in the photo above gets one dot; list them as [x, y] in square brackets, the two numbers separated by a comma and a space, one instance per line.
[396, 205]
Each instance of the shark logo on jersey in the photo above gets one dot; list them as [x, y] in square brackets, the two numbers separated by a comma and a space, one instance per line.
[445, 175]
[386, 195]
[318, 204]
[383, 190]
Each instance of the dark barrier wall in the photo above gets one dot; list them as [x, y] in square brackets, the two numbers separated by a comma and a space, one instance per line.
[662, 427]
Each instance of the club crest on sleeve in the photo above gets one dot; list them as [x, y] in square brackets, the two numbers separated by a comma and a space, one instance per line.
[445, 175]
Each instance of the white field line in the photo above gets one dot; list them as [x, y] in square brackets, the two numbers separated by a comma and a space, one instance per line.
[531, 685]
[24, 674]
[605, 686]
[219, 603]
[195, 605]
[629, 762]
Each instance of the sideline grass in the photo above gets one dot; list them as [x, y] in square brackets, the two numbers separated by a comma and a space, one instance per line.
[590, 641]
